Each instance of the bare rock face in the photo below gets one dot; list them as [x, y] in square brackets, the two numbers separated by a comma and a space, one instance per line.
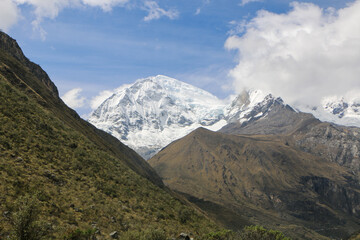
[335, 143]
[330, 192]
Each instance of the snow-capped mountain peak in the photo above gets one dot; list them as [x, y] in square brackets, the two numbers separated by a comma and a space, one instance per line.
[155, 111]
[250, 105]
[337, 109]
[341, 107]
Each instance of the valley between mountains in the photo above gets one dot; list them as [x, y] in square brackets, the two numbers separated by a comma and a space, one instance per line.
[213, 167]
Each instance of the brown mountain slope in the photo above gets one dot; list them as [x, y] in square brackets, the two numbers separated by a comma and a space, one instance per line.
[265, 180]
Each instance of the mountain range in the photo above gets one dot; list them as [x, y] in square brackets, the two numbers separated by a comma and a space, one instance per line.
[288, 171]
[255, 159]
[155, 111]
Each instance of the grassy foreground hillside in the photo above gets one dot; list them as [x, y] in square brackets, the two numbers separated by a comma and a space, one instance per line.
[81, 181]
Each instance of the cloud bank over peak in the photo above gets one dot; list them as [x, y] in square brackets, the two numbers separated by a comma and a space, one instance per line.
[303, 55]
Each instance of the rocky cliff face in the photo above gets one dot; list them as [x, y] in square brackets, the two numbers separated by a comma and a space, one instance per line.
[344, 197]
[333, 142]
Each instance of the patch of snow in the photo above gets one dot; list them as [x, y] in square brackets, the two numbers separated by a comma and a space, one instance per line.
[259, 115]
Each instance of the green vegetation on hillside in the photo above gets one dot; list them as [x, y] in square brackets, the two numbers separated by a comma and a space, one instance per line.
[78, 185]
[248, 233]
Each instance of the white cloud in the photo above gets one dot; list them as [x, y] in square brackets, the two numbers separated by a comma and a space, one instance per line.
[50, 9]
[9, 14]
[98, 100]
[44, 9]
[155, 12]
[198, 11]
[244, 2]
[73, 99]
[106, 5]
[303, 55]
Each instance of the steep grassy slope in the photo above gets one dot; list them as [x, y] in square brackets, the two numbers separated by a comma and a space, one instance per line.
[265, 180]
[29, 77]
[81, 177]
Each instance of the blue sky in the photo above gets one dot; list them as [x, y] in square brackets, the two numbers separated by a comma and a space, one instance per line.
[95, 47]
